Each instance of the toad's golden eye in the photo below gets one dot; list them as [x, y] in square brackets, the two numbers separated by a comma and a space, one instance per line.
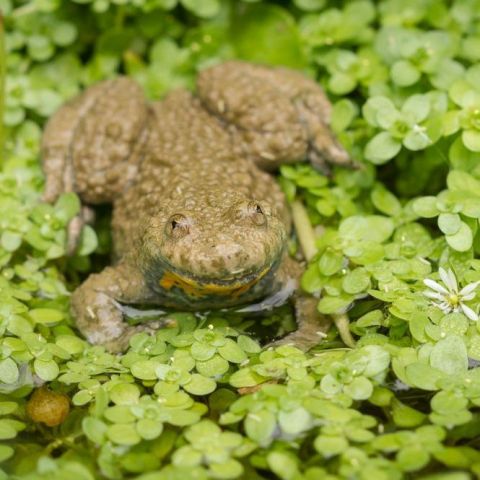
[257, 214]
[178, 226]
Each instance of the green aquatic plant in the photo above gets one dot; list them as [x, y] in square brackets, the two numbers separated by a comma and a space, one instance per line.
[393, 389]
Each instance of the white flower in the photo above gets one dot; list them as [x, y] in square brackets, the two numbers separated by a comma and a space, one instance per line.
[448, 297]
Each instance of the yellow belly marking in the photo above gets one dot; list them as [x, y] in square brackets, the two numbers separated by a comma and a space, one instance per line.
[195, 289]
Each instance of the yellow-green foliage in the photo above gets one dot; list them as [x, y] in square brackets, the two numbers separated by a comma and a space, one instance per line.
[397, 250]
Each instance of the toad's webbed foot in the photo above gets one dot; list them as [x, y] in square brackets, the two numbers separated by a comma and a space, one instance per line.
[98, 314]
[312, 327]
[275, 115]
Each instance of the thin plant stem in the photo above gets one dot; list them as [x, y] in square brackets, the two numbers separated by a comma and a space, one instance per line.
[306, 238]
[304, 229]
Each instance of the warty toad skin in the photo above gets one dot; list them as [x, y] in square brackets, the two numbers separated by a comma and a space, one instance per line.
[198, 223]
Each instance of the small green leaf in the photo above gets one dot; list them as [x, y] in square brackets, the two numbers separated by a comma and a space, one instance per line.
[260, 427]
[123, 434]
[449, 223]
[471, 139]
[356, 281]
[212, 367]
[248, 345]
[232, 352]
[200, 385]
[412, 458]
[283, 464]
[46, 315]
[46, 369]
[329, 305]
[426, 207]
[450, 356]
[381, 148]
[94, 429]
[295, 421]
[386, 202]
[7, 430]
[462, 240]
[330, 262]
[8, 371]
[124, 394]
[88, 241]
[145, 369]
[10, 241]
[149, 429]
[329, 445]
[360, 388]
[404, 73]
[374, 228]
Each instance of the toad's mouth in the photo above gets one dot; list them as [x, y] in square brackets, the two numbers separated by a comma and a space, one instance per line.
[200, 287]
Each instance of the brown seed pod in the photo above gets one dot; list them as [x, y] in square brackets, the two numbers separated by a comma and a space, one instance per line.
[50, 408]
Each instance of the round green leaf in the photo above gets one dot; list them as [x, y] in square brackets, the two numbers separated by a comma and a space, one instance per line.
[232, 352]
[450, 356]
[426, 207]
[471, 139]
[124, 394]
[47, 370]
[356, 281]
[213, 367]
[260, 427]
[381, 148]
[404, 73]
[8, 371]
[449, 223]
[374, 228]
[123, 434]
[145, 369]
[10, 241]
[328, 445]
[149, 429]
[200, 385]
[360, 388]
[462, 240]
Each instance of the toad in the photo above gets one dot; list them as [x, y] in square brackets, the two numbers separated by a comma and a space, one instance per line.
[198, 222]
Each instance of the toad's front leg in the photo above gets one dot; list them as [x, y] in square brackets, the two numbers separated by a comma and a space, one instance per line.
[97, 312]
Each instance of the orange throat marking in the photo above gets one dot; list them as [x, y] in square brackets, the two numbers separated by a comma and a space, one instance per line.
[195, 289]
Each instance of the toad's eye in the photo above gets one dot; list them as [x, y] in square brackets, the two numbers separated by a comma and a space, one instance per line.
[257, 214]
[178, 226]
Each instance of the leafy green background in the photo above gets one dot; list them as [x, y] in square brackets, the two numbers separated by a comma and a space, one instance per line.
[404, 79]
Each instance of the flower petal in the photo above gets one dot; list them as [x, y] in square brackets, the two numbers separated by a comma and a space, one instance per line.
[435, 286]
[466, 298]
[469, 312]
[469, 288]
[434, 295]
[448, 278]
[444, 307]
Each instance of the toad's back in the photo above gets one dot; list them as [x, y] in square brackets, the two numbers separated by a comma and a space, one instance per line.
[189, 162]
